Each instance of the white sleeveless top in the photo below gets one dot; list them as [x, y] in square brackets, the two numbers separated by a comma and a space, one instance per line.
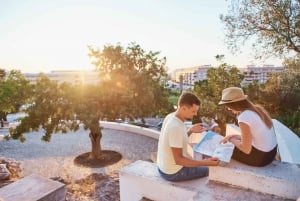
[263, 138]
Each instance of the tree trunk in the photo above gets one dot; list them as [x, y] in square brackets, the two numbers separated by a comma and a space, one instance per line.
[96, 146]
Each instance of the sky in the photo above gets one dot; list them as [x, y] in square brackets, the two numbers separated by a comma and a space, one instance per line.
[49, 35]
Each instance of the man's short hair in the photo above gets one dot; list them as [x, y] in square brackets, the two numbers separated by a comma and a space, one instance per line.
[188, 98]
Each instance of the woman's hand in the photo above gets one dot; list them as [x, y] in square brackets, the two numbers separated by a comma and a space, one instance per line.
[228, 138]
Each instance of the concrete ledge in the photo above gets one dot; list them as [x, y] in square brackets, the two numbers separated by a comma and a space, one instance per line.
[130, 128]
[288, 143]
[33, 188]
[278, 178]
[142, 180]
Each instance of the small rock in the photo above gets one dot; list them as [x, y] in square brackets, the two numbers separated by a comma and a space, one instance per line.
[4, 172]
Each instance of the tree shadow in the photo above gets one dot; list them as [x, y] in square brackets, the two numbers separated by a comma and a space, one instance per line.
[108, 157]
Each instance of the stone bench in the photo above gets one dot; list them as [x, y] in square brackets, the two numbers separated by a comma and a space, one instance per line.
[33, 188]
[140, 180]
[278, 178]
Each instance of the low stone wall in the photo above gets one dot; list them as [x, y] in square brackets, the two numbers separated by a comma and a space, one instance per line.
[130, 128]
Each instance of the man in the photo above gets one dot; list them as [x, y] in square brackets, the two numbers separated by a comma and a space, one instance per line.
[173, 161]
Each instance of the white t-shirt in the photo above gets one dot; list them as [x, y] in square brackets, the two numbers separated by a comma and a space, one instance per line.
[263, 138]
[173, 134]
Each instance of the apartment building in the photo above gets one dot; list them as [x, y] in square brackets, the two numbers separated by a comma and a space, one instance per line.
[252, 73]
[190, 75]
[260, 74]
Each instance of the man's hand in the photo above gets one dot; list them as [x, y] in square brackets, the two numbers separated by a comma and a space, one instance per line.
[212, 161]
[196, 128]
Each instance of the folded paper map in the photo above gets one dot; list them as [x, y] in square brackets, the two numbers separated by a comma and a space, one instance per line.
[210, 146]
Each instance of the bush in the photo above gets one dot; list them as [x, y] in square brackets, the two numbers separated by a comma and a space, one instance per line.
[292, 122]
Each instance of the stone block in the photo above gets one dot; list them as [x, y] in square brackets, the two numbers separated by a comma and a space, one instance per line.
[34, 188]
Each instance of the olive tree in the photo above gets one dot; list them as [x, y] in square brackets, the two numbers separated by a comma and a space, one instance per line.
[130, 86]
[272, 26]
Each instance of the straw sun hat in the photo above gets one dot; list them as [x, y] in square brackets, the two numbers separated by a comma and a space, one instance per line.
[232, 94]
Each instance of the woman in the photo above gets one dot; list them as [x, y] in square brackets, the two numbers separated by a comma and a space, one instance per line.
[257, 144]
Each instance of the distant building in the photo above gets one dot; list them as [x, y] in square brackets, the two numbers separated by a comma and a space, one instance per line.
[194, 74]
[260, 74]
[74, 77]
[201, 73]
[190, 75]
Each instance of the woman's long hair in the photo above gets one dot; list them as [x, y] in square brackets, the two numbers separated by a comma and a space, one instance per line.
[248, 105]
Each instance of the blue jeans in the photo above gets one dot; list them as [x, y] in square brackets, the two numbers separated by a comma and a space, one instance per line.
[185, 173]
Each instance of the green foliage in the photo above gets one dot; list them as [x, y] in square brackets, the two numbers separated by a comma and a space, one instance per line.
[281, 94]
[173, 98]
[280, 89]
[51, 110]
[272, 26]
[14, 91]
[292, 121]
[131, 80]
[210, 90]
[89, 108]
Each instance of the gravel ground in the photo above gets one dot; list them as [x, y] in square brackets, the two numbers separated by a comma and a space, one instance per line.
[54, 159]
